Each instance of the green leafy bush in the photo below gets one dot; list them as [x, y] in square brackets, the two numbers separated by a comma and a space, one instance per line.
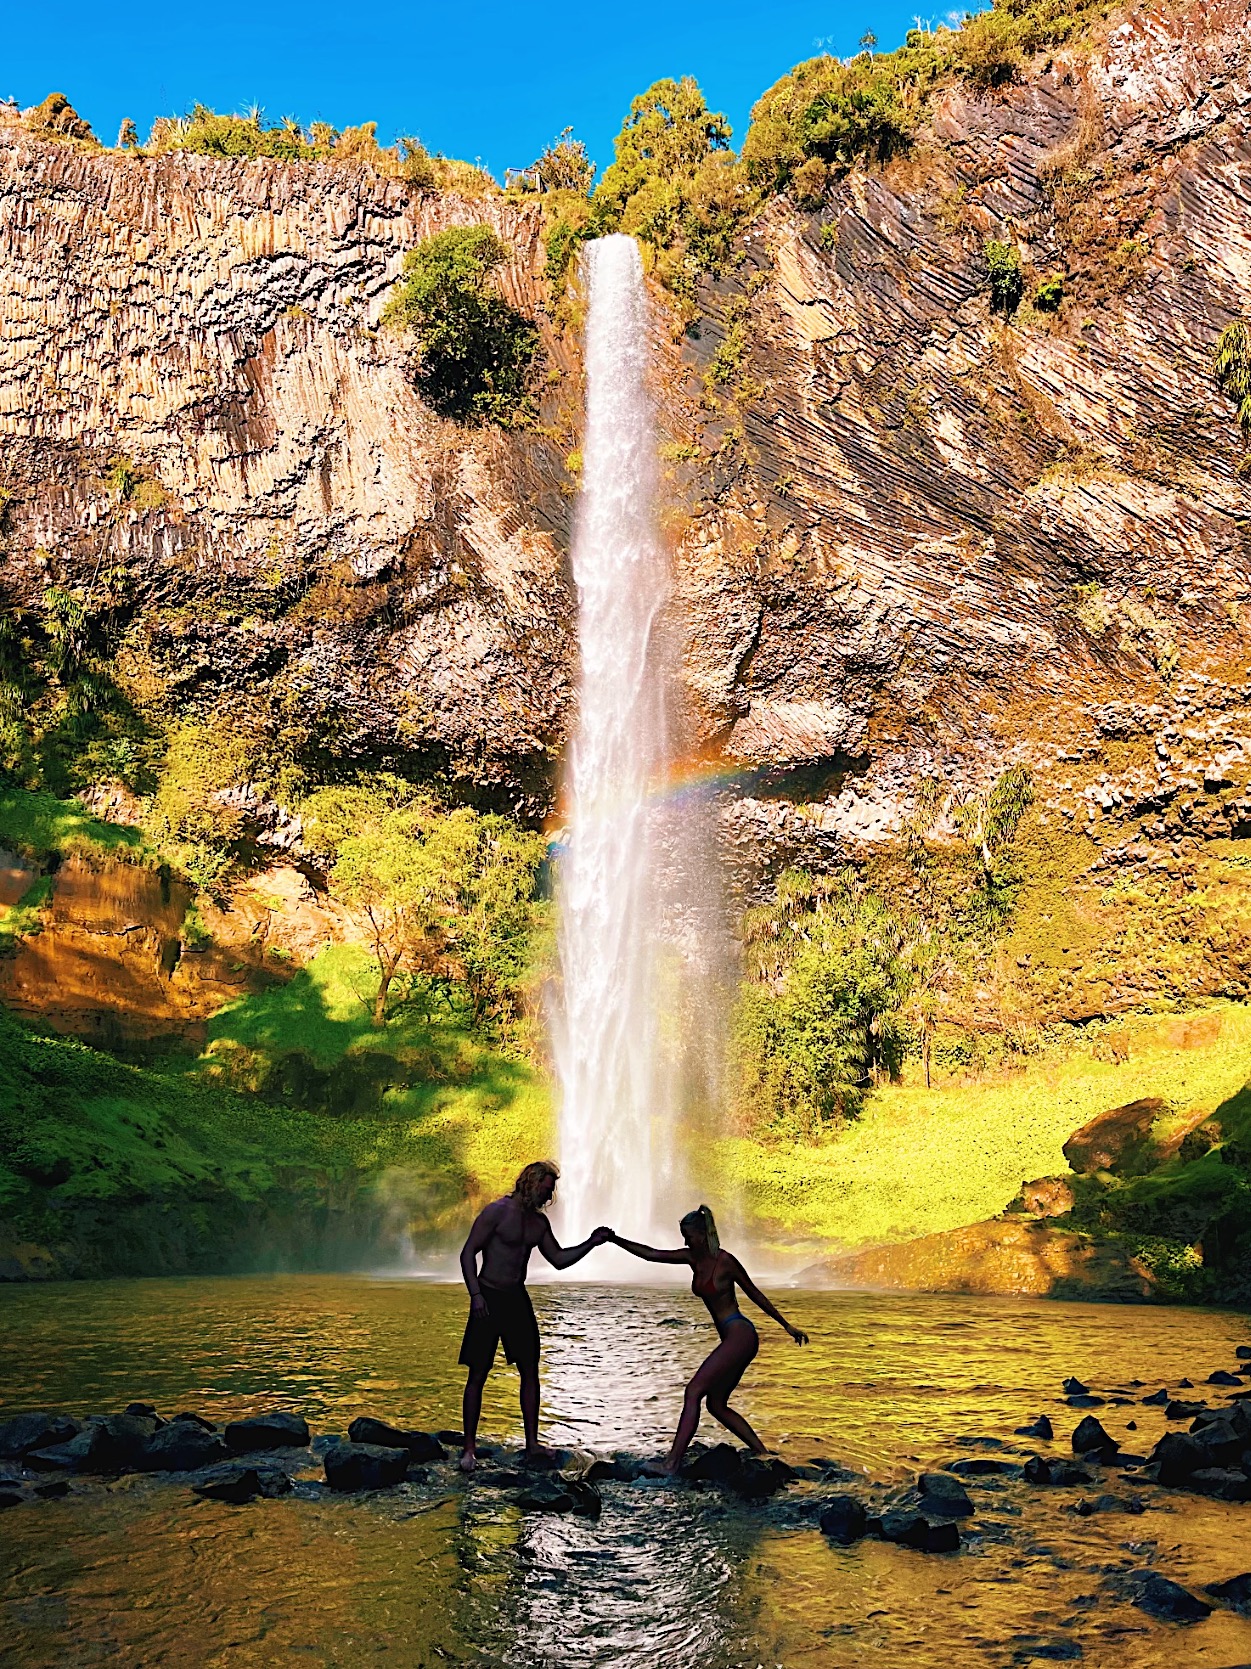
[1231, 366]
[1049, 294]
[817, 1021]
[1003, 268]
[477, 353]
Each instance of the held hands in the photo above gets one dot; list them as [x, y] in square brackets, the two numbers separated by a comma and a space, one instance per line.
[601, 1235]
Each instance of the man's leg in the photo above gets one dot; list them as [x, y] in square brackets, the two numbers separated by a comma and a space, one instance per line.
[530, 1405]
[471, 1412]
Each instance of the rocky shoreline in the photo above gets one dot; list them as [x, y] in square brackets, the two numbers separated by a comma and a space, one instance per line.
[982, 1492]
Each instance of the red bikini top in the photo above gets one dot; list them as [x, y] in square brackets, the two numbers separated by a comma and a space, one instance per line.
[710, 1290]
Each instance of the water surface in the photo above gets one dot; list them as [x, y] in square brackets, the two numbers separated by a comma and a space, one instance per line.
[140, 1572]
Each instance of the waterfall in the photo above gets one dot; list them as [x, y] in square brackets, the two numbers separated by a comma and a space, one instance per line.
[630, 940]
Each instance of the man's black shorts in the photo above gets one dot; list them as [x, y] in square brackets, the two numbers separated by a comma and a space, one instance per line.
[510, 1317]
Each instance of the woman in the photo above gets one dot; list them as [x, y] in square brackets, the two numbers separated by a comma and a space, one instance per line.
[715, 1273]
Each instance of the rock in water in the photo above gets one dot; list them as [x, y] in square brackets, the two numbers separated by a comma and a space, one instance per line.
[944, 1497]
[1091, 1439]
[35, 1431]
[1037, 1470]
[1221, 1483]
[1161, 1597]
[844, 1520]
[561, 1495]
[1243, 1352]
[985, 1468]
[1221, 1377]
[267, 1431]
[1178, 1456]
[760, 1476]
[914, 1529]
[114, 1443]
[182, 1447]
[719, 1465]
[1041, 1427]
[10, 1498]
[421, 1445]
[1235, 1591]
[352, 1466]
[237, 1484]
[1075, 1388]
[1159, 1398]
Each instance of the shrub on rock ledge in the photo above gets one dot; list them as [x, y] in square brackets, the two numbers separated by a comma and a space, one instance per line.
[476, 351]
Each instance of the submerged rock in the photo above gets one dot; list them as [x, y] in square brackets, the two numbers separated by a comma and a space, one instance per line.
[1109, 1504]
[1159, 1596]
[1038, 1470]
[844, 1520]
[237, 1484]
[1221, 1483]
[561, 1495]
[421, 1445]
[1222, 1377]
[267, 1431]
[1176, 1410]
[979, 1466]
[1075, 1388]
[914, 1529]
[1157, 1398]
[760, 1477]
[1234, 1591]
[719, 1465]
[352, 1466]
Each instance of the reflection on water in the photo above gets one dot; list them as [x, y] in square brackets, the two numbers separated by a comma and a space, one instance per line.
[140, 1572]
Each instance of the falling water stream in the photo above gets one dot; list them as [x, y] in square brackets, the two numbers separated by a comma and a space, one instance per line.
[613, 1115]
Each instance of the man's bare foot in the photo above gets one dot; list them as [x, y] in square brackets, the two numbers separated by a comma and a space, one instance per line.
[540, 1455]
[468, 1461]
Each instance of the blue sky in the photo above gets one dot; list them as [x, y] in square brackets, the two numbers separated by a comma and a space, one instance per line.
[481, 81]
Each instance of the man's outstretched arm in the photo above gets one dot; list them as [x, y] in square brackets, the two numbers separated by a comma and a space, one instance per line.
[482, 1230]
[561, 1257]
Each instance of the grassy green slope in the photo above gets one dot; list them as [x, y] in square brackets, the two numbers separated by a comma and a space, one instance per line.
[919, 1161]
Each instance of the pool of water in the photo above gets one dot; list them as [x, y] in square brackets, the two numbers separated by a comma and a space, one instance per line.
[140, 1571]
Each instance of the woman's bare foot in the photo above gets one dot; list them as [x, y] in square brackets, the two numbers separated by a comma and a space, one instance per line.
[656, 1468]
[468, 1461]
[538, 1454]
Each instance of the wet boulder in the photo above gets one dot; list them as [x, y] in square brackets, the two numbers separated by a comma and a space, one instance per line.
[1177, 1410]
[844, 1520]
[1234, 1591]
[1110, 1504]
[188, 1418]
[1178, 1456]
[1074, 1388]
[914, 1529]
[1041, 1427]
[1038, 1470]
[143, 1411]
[1157, 1399]
[554, 1494]
[352, 1466]
[267, 1431]
[1221, 1483]
[620, 1468]
[111, 1443]
[1243, 1352]
[721, 1464]
[421, 1445]
[239, 1484]
[1221, 1377]
[180, 1446]
[943, 1496]
[1090, 1438]
[981, 1466]
[759, 1477]
[1221, 1438]
[1160, 1597]
[25, 1432]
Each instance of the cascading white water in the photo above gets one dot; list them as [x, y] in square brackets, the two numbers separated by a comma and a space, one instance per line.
[606, 1037]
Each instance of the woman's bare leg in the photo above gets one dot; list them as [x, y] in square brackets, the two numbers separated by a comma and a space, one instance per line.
[727, 1362]
[733, 1421]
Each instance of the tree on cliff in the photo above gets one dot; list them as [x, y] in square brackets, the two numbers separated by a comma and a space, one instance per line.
[476, 352]
[446, 899]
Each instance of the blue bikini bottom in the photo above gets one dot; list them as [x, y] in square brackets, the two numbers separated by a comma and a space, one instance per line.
[728, 1321]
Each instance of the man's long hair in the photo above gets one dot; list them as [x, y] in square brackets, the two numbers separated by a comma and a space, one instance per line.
[532, 1179]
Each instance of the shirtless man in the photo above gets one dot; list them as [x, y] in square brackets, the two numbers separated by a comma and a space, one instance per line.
[505, 1233]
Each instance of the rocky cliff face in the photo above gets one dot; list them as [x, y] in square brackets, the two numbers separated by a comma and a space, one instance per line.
[911, 536]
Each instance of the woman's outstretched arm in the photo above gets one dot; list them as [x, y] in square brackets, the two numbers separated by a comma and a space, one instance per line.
[744, 1280]
[649, 1253]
